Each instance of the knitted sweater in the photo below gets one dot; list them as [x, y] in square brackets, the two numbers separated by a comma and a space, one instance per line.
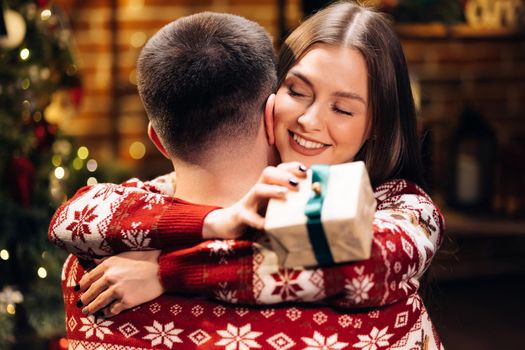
[407, 232]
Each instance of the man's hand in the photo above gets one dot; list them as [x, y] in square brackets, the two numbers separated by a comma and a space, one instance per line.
[121, 282]
[275, 182]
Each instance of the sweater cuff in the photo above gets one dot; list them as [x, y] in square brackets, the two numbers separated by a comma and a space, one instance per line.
[181, 224]
[180, 270]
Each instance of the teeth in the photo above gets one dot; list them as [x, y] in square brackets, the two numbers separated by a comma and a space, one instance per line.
[306, 143]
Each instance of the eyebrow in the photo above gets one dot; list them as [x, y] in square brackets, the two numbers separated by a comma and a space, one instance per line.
[344, 94]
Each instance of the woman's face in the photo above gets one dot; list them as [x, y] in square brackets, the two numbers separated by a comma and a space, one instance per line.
[321, 109]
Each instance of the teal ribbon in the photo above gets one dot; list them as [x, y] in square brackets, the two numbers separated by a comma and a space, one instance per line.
[312, 210]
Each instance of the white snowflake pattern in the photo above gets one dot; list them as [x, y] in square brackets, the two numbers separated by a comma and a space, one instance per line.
[220, 247]
[320, 342]
[152, 198]
[225, 294]
[414, 301]
[159, 334]
[407, 247]
[242, 338]
[377, 338]
[72, 275]
[357, 289]
[384, 223]
[93, 326]
[408, 281]
[135, 238]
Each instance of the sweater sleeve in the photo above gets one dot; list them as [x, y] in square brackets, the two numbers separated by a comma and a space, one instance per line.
[105, 219]
[408, 230]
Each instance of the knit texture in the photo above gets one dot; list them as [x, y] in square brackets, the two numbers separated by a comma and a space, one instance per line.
[371, 304]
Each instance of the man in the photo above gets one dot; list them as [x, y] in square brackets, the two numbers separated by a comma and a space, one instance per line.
[204, 81]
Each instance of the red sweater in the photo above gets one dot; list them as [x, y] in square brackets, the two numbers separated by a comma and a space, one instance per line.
[408, 229]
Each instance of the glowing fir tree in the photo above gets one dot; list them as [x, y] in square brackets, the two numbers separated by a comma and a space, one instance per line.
[39, 167]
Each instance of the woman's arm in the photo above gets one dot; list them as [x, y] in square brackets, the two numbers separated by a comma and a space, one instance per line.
[105, 219]
[408, 229]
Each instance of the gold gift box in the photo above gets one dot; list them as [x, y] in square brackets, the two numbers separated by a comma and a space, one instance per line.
[346, 216]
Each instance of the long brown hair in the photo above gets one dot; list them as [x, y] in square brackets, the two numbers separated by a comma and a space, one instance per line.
[392, 150]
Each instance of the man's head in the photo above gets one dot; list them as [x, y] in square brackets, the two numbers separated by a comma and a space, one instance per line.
[204, 80]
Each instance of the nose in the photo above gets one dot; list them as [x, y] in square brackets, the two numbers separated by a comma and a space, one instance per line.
[311, 119]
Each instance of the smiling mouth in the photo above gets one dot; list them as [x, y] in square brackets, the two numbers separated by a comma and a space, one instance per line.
[306, 143]
[305, 146]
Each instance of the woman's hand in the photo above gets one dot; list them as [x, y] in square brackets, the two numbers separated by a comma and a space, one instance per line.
[121, 282]
[275, 182]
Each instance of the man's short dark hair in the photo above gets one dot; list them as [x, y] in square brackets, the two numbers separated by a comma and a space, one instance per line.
[205, 78]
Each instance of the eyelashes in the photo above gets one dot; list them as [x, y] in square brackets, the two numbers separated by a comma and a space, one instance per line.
[341, 111]
[292, 91]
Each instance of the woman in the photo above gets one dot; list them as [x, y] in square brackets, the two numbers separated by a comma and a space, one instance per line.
[344, 95]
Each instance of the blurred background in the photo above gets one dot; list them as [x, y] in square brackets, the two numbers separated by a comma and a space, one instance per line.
[70, 116]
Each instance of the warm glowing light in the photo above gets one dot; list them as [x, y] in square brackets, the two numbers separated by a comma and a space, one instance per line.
[45, 15]
[91, 165]
[4, 254]
[59, 172]
[56, 160]
[63, 343]
[133, 77]
[71, 70]
[24, 54]
[10, 308]
[78, 163]
[62, 147]
[42, 273]
[138, 39]
[25, 84]
[92, 181]
[44, 254]
[137, 150]
[37, 116]
[83, 152]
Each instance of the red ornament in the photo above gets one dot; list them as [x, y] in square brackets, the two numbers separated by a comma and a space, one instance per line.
[21, 175]
[45, 135]
[76, 95]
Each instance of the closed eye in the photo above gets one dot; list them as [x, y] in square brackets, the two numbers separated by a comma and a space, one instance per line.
[292, 91]
[342, 111]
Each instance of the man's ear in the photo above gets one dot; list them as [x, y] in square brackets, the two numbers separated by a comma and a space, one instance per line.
[268, 118]
[156, 141]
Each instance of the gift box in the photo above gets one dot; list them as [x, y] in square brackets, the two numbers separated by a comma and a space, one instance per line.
[329, 220]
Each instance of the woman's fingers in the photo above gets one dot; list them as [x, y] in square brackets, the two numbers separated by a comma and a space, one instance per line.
[91, 277]
[114, 309]
[95, 289]
[104, 299]
[269, 191]
[283, 176]
[260, 194]
[295, 168]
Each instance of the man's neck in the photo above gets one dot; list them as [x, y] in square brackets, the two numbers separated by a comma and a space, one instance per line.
[226, 176]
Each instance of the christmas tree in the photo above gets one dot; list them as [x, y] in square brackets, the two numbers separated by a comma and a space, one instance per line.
[39, 166]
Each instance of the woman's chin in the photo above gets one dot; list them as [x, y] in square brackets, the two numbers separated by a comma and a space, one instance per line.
[307, 161]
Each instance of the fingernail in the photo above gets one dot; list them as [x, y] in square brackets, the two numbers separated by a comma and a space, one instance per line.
[80, 303]
[302, 168]
[85, 311]
[77, 288]
[293, 181]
